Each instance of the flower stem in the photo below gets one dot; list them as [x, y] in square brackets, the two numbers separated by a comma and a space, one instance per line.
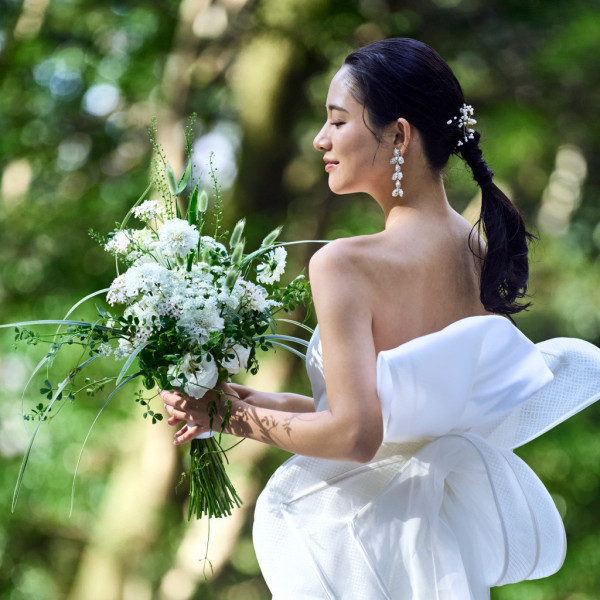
[211, 491]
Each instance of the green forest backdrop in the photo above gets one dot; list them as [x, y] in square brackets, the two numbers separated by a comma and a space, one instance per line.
[79, 84]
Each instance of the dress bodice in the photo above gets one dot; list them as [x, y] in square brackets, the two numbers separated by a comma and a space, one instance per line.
[314, 370]
[476, 375]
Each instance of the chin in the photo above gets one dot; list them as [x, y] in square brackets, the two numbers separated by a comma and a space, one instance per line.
[340, 189]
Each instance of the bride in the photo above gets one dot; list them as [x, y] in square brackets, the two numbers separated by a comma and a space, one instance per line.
[404, 484]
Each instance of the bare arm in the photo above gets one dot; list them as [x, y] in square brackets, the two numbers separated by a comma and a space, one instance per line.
[275, 401]
[352, 428]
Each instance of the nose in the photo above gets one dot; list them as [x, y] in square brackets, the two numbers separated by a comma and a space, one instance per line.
[321, 141]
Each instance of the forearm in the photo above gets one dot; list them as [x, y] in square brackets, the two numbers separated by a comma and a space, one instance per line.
[275, 401]
[354, 432]
[316, 434]
[297, 403]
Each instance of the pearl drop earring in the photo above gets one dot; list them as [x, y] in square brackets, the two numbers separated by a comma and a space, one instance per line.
[397, 160]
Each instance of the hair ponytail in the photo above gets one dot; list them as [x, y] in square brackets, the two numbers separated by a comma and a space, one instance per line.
[505, 268]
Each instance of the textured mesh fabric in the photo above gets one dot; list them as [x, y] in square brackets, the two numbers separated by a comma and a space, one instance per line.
[576, 384]
[445, 510]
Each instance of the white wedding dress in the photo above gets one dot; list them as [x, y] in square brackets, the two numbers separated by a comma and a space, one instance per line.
[445, 510]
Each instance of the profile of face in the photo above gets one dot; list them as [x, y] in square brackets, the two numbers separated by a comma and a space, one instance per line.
[355, 159]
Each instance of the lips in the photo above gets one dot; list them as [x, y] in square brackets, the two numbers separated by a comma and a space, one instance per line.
[330, 164]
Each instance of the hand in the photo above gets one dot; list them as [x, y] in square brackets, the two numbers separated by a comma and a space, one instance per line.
[195, 411]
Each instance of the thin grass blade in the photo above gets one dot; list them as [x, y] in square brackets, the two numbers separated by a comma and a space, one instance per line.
[131, 358]
[286, 338]
[290, 349]
[260, 251]
[117, 388]
[37, 368]
[25, 460]
[137, 202]
[79, 303]
[298, 324]
[47, 322]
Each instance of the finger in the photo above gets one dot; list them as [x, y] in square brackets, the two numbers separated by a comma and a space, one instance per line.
[175, 416]
[238, 390]
[173, 398]
[181, 415]
[186, 434]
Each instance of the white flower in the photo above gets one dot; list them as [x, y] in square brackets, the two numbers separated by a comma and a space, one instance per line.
[209, 241]
[254, 296]
[120, 243]
[105, 349]
[150, 209]
[144, 239]
[152, 275]
[177, 237]
[145, 312]
[199, 316]
[201, 375]
[273, 267]
[231, 298]
[124, 349]
[143, 242]
[239, 360]
[117, 292]
[144, 278]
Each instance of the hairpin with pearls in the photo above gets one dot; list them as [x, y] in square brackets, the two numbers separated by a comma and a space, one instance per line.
[464, 122]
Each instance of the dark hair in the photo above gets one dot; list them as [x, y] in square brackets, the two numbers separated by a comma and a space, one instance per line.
[401, 77]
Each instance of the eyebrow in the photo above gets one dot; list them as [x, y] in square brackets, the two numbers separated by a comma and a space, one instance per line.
[335, 107]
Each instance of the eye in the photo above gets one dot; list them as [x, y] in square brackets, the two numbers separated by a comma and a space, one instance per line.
[338, 123]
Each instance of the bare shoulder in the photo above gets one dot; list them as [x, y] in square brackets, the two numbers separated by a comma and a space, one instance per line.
[344, 258]
[339, 277]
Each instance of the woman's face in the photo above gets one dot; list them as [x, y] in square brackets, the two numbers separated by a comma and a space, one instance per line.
[354, 159]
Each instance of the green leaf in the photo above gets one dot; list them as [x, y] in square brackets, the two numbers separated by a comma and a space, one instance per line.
[193, 207]
[185, 178]
[170, 176]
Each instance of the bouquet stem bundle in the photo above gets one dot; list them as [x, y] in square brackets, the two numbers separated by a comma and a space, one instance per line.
[211, 492]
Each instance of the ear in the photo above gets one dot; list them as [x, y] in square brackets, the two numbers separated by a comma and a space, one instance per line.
[402, 134]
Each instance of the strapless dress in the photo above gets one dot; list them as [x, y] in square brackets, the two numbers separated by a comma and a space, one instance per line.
[445, 510]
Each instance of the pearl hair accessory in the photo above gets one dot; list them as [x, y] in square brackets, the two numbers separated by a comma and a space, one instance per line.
[464, 122]
[397, 160]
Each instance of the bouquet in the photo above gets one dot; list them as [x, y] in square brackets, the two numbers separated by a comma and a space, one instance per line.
[188, 311]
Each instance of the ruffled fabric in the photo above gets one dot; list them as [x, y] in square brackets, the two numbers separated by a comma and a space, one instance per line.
[445, 510]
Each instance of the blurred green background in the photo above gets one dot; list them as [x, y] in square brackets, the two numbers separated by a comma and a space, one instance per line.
[79, 84]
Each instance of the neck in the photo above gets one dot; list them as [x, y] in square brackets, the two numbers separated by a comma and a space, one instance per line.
[425, 194]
